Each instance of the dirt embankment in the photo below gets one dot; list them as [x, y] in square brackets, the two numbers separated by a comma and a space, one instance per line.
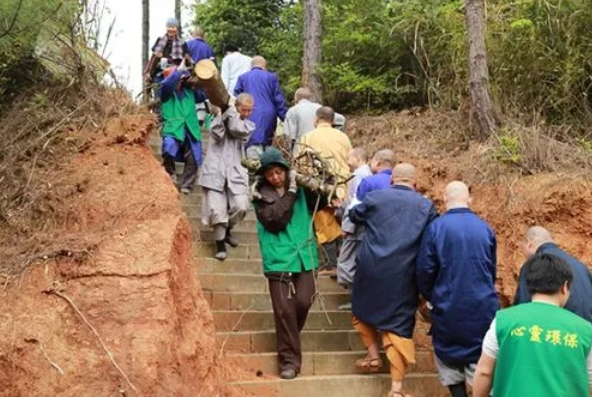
[506, 198]
[125, 316]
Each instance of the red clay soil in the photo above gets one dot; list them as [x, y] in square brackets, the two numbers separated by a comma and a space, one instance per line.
[136, 288]
[436, 143]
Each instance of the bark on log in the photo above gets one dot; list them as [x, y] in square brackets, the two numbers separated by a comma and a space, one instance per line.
[482, 112]
[312, 33]
[211, 81]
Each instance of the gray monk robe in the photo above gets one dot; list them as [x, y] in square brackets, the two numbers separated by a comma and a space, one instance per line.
[223, 178]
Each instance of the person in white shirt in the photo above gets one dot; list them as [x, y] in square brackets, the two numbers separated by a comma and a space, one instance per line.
[234, 64]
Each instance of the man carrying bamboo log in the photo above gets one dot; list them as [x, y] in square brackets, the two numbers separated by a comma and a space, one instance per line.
[333, 146]
[223, 178]
[180, 127]
[269, 104]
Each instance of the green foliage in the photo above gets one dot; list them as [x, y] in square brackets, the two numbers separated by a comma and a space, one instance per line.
[22, 23]
[509, 150]
[384, 54]
[244, 23]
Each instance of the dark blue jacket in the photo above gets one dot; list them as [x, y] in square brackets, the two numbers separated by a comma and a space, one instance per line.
[580, 300]
[384, 293]
[456, 274]
[269, 103]
[375, 182]
[198, 49]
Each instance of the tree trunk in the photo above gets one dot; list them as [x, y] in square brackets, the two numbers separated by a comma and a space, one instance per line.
[145, 44]
[482, 114]
[211, 81]
[178, 15]
[312, 33]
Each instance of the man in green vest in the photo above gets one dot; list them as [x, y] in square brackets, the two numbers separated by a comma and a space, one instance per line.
[180, 126]
[538, 349]
[289, 252]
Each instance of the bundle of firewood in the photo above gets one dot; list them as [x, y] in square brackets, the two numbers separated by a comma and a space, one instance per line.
[312, 172]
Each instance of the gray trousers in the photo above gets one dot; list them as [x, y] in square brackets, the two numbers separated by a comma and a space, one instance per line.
[346, 262]
[189, 170]
[222, 210]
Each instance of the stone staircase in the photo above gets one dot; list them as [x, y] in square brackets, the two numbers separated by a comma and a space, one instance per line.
[238, 295]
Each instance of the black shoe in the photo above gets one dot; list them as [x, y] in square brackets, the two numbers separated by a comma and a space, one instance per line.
[288, 374]
[220, 250]
[231, 240]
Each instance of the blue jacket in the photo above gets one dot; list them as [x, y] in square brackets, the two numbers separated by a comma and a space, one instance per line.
[269, 103]
[169, 85]
[375, 182]
[384, 293]
[198, 49]
[580, 300]
[456, 271]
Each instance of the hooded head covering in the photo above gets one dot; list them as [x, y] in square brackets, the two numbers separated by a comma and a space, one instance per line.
[272, 156]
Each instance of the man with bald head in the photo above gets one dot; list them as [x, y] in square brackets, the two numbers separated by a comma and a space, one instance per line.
[269, 104]
[382, 165]
[384, 292]
[456, 271]
[333, 146]
[539, 240]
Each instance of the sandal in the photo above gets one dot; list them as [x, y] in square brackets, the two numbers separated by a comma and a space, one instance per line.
[369, 365]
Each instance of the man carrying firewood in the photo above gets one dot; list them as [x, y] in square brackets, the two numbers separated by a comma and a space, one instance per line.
[223, 178]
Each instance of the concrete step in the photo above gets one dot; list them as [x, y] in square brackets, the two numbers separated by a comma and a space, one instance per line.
[193, 210]
[247, 225]
[324, 363]
[244, 237]
[312, 340]
[255, 283]
[230, 266]
[263, 320]
[242, 252]
[248, 301]
[415, 385]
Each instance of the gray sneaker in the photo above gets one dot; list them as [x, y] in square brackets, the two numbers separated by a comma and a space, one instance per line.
[185, 191]
[345, 307]
[288, 374]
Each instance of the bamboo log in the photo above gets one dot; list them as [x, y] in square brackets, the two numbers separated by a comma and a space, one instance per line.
[211, 81]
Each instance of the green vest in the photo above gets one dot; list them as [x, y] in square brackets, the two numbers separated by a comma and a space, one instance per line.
[178, 112]
[294, 248]
[542, 352]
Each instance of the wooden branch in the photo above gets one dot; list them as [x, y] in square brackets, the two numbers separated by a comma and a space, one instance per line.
[312, 183]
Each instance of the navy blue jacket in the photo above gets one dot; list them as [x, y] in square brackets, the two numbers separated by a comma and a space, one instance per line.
[269, 103]
[384, 293]
[380, 180]
[456, 274]
[580, 300]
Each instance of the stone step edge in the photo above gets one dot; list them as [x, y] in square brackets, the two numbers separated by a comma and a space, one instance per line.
[332, 377]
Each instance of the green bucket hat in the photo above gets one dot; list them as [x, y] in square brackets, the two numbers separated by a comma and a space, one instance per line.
[272, 156]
